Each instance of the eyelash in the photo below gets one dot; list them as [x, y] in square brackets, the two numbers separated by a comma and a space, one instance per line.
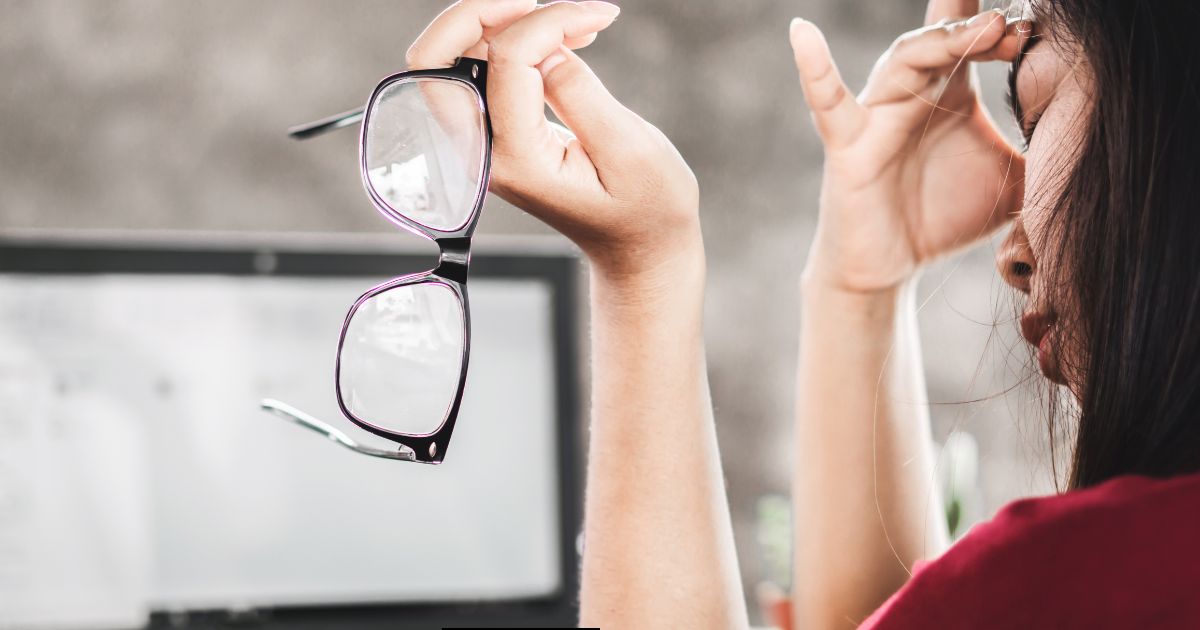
[1027, 132]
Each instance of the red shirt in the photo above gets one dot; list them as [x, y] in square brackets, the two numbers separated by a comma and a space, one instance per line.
[1123, 554]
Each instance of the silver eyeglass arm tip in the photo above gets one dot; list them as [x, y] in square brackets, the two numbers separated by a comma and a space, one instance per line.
[297, 417]
[318, 127]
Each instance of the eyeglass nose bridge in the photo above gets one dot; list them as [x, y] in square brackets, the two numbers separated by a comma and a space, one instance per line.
[454, 259]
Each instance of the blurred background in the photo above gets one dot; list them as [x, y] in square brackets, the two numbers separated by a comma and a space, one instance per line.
[152, 116]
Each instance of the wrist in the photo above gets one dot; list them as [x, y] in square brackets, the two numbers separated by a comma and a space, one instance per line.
[878, 305]
[817, 283]
[667, 267]
[867, 270]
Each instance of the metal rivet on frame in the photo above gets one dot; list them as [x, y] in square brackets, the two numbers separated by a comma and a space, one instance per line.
[433, 449]
[474, 71]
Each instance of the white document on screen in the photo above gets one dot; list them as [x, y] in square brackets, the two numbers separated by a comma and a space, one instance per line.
[73, 499]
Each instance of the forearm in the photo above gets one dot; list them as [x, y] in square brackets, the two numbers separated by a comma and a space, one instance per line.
[658, 541]
[865, 503]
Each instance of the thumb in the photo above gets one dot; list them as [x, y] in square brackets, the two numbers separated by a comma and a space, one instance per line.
[838, 116]
[586, 107]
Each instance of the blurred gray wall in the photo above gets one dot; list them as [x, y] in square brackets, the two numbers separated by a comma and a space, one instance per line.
[169, 115]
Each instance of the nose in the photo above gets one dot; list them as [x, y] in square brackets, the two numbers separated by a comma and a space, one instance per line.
[1015, 259]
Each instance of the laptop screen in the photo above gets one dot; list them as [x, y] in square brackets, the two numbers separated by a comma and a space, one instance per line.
[138, 474]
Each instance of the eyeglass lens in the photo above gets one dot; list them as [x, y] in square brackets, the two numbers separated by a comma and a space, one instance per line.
[424, 146]
[401, 357]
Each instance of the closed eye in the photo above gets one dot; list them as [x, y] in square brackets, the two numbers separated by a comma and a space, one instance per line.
[1028, 128]
[1014, 97]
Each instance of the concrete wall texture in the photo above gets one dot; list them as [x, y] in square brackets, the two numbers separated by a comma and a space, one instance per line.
[170, 115]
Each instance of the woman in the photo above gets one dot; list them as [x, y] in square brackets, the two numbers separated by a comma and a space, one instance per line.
[1102, 243]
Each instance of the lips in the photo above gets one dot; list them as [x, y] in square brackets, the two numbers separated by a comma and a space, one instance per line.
[1034, 326]
[1038, 330]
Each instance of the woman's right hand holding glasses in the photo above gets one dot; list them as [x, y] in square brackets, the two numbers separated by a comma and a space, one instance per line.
[613, 183]
[657, 518]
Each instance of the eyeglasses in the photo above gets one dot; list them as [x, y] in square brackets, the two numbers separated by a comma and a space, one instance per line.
[401, 366]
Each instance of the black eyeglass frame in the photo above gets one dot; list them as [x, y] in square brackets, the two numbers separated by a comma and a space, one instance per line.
[451, 272]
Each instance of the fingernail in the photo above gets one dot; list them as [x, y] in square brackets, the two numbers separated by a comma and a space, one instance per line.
[551, 62]
[796, 22]
[1019, 26]
[603, 8]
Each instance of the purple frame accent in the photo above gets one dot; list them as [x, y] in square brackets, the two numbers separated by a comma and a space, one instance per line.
[453, 259]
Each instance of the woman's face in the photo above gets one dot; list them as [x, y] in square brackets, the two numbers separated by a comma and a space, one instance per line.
[1050, 99]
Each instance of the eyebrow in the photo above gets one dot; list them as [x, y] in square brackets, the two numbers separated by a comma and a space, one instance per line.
[1014, 102]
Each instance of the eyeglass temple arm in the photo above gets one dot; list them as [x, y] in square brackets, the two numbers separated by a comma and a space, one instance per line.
[318, 127]
[295, 416]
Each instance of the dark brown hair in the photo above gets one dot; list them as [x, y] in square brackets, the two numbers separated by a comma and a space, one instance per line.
[1125, 237]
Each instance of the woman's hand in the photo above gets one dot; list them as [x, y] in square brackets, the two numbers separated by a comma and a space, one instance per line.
[914, 167]
[619, 189]
[613, 184]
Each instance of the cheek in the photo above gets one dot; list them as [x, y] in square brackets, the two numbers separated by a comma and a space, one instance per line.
[1039, 198]
[1047, 166]
[1049, 161]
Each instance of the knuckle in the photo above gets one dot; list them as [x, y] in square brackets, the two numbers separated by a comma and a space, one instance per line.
[950, 28]
[922, 35]
[502, 51]
[898, 50]
[414, 54]
[499, 51]
[905, 41]
[567, 78]
[827, 94]
[822, 74]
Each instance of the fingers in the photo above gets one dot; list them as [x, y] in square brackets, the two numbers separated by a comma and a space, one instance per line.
[480, 49]
[1016, 35]
[461, 29]
[939, 10]
[949, 44]
[920, 59]
[838, 116]
[535, 44]
[590, 112]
